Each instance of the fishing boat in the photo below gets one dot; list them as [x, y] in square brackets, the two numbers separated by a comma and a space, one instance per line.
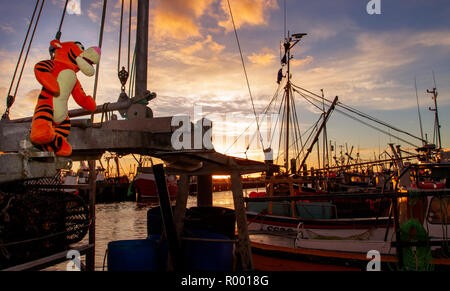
[146, 188]
[335, 242]
[332, 218]
[109, 187]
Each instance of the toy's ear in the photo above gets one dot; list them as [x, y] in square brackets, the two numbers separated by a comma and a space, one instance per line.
[56, 44]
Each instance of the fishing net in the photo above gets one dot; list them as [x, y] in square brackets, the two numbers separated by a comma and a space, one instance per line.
[37, 221]
[415, 258]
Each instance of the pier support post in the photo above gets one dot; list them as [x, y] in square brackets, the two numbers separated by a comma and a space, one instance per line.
[90, 254]
[204, 191]
[244, 248]
[167, 216]
[180, 206]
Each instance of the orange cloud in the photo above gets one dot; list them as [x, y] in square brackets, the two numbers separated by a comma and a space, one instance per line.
[266, 57]
[250, 12]
[32, 95]
[208, 43]
[302, 62]
[179, 18]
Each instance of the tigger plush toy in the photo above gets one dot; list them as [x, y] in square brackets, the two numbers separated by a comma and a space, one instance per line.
[50, 126]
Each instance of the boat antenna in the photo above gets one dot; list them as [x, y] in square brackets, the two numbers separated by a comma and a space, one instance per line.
[418, 111]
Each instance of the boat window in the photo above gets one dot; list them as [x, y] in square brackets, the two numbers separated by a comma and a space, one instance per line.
[439, 210]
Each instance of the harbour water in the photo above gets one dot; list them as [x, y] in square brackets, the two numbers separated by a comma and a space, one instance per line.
[128, 220]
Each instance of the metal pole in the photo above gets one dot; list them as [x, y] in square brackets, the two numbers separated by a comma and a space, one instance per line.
[103, 108]
[316, 138]
[142, 47]
[90, 254]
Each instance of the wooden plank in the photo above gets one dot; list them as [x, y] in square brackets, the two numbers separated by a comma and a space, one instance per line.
[91, 139]
[50, 260]
[154, 125]
[180, 206]
[204, 191]
[167, 216]
[16, 166]
[244, 248]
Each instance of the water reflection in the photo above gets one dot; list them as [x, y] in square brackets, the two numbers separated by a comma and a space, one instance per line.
[128, 220]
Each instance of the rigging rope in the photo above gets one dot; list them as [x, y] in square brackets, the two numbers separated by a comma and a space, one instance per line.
[133, 74]
[11, 98]
[264, 113]
[357, 112]
[245, 72]
[58, 34]
[123, 73]
[23, 46]
[100, 42]
[295, 121]
[120, 37]
[129, 33]
[278, 118]
[359, 120]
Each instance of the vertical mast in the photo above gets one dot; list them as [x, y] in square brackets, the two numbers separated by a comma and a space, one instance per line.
[287, 46]
[142, 47]
[437, 126]
[289, 43]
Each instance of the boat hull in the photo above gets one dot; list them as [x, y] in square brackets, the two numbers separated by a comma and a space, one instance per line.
[146, 188]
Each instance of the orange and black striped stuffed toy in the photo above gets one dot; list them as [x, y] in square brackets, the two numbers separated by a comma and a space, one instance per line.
[51, 125]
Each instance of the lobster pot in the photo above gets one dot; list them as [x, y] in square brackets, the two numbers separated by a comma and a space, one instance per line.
[207, 255]
[38, 224]
[133, 255]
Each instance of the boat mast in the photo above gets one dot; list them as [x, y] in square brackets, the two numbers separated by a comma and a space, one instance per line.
[287, 88]
[289, 43]
[142, 47]
[437, 125]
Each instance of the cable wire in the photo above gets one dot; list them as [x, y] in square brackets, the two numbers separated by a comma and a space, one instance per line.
[11, 99]
[58, 34]
[245, 72]
[23, 46]
[100, 42]
[357, 112]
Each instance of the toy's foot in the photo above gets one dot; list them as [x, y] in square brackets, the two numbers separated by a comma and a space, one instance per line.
[42, 132]
[65, 150]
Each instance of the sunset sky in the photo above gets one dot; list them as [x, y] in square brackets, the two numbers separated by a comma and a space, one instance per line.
[369, 61]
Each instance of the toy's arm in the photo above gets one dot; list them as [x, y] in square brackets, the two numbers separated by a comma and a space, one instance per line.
[43, 72]
[85, 101]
